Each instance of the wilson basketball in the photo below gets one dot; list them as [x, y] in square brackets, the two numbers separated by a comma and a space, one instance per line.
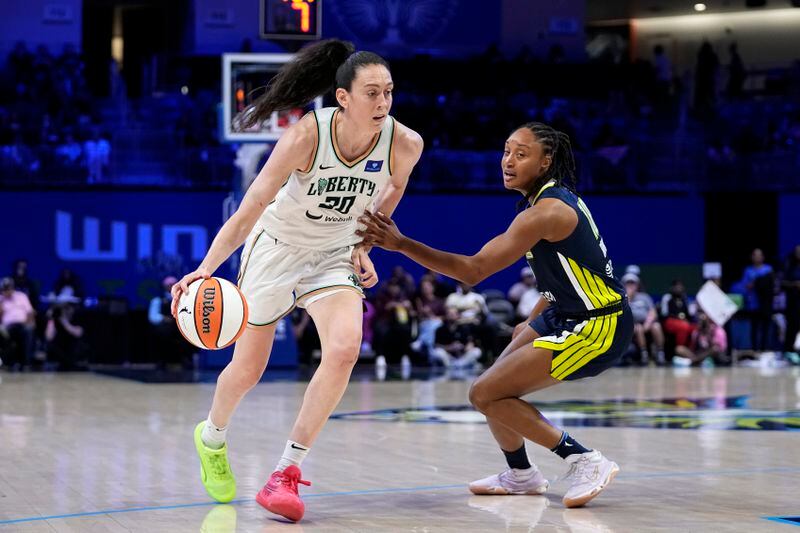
[213, 314]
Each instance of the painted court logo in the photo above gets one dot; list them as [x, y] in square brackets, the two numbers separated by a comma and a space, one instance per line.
[729, 413]
[373, 166]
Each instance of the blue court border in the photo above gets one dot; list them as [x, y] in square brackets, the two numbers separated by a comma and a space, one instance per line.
[788, 520]
[407, 489]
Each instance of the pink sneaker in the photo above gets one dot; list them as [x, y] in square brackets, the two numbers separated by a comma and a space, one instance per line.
[280, 494]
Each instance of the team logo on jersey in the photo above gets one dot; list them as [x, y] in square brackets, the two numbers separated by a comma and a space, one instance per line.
[354, 280]
[609, 269]
[549, 296]
[373, 166]
[351, 184]
[529, 255]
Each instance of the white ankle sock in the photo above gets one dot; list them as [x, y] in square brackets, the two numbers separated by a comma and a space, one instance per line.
[213, 436]
[293, 454]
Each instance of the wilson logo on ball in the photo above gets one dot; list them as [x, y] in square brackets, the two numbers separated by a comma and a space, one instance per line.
[218, 313]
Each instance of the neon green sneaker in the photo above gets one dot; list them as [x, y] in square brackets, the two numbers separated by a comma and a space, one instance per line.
[215, 472]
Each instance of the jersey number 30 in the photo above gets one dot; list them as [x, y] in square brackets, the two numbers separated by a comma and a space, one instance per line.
[342, 204]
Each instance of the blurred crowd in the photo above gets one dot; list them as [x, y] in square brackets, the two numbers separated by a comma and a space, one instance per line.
[632, 117]
[48, 119]
[433, 321]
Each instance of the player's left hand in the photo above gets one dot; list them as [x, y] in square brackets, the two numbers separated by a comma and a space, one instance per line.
[363, 266]
[380, 230]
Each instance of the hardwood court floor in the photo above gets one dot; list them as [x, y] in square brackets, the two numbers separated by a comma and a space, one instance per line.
[84, 452]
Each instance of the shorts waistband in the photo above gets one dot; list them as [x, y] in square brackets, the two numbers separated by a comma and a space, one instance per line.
[612, 309]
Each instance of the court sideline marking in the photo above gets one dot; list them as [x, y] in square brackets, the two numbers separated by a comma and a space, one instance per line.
[399, 490]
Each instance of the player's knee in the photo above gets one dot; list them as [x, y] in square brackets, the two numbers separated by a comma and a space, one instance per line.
[343, 352]
[245, 378]
[479, 395]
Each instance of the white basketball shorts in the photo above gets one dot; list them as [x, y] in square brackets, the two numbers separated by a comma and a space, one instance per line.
[275, 276]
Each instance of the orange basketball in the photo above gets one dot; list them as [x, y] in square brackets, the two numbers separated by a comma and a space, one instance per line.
[213, 314]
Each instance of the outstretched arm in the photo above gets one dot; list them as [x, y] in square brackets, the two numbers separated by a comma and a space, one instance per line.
[549, 219]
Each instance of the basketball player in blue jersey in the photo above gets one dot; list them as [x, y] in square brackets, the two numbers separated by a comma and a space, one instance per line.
[299, 219]
[579, 328]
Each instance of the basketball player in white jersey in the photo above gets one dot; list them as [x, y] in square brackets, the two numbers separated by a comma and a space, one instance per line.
[301, 248]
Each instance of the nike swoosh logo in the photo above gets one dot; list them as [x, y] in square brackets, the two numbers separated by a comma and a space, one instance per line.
[299, 447]
[184, 310]
[323, 167]
[313, 217]
[567, 444]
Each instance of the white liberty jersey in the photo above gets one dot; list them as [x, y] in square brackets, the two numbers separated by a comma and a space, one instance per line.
[320, 208]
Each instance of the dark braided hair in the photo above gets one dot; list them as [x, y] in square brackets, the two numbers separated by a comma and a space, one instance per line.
[562, 166]
[316, 69]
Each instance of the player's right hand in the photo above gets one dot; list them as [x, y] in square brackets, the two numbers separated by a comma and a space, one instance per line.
[379, 230]
[182, 287]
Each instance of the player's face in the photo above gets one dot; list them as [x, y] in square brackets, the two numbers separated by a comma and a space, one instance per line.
[370, 97]
[523, 161]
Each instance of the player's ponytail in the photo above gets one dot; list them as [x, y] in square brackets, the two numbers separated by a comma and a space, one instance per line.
[312, 72]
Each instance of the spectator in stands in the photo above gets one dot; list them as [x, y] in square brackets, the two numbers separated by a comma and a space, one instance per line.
[759, 286]
[526, 281]
[473, 311]
[70, 150]
[736, 72]
[17, 154]
[645, 320]
[790, 281]
[367, 333]
[441, 287]
[454, 343]
[430, 312]
[16, 324]
[708, 340]
[528, 300]
[98, 155]
[23, 283]
[404, 280]
[663, 71]
[170, 346]
[68, 286]
[64, 338]
[392, 326]
[705, 80]
[470, 305]
[20, 62]
[677, 316]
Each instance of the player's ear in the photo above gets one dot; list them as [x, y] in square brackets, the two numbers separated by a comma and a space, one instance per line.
[342, 97]
[546, 162]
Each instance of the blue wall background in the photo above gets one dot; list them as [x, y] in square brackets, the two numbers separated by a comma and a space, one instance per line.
[119, 243]
[142, 236]
[788, 223]
[639, 230]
